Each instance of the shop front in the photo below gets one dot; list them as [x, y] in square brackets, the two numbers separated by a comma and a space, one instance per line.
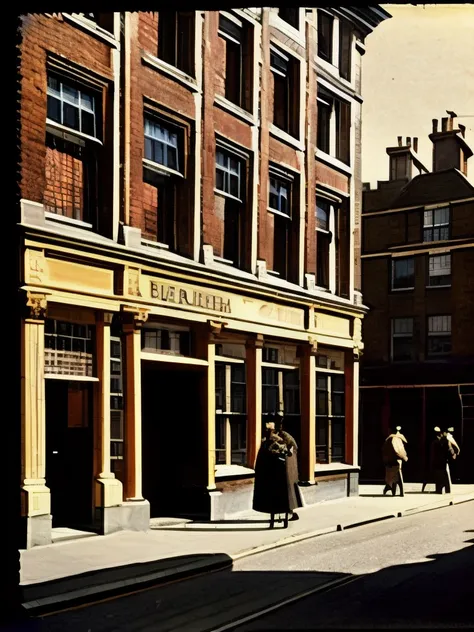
[145, 391]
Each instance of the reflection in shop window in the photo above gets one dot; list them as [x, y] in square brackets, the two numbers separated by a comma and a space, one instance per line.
[231, 417]
[68, 348]
[164, 340]
[330, 418]
[116, 408]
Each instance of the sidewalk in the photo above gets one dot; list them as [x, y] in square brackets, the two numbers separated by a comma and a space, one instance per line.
[75, 571]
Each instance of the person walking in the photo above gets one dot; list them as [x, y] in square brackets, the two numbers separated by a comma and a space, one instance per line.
[292, 474]
[394, 454]
[444, 449]
[270, 488]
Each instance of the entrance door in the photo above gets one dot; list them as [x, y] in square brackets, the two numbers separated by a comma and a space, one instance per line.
[69, 452]
[172, 440]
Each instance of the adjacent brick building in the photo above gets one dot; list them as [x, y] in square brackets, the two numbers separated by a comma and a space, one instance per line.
[417, 264]
[190, 212]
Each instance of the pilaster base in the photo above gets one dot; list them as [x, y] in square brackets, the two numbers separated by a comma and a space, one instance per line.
[109, 492]
[130, 516]
[37, 530]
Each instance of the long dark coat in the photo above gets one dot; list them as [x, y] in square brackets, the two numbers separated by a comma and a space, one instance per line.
[442, 451]
[292, 475]
[270, 494]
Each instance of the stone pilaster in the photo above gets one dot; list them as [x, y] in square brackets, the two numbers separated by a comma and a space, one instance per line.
[307, 449]
[253, 362]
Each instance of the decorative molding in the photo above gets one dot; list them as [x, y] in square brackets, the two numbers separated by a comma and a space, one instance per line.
[37, 305]
[255, 342]
[215, 327]
[133, 317]
[134, 281]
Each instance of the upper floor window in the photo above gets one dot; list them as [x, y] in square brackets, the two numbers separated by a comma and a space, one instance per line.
[285, 72]
[439, 335]
[290, 15]
[325, 244]
[440, 270]
[280, 203]
[231, 182]
[176, 39]
[436, 224]
[403, 273]
[161, 144]
[345, 49]
[325, 35]
[238, 68]
[402, 339]
[334, 126]
[72, 105]
[103, 20]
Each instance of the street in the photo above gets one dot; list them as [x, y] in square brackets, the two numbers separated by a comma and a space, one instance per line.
[416, 571]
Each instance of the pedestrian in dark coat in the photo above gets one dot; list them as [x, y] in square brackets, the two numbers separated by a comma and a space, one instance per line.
[443, 450]
[292, 474]
[393, 454]
[270, 488]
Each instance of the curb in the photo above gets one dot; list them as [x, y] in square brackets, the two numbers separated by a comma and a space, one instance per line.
[78, 590]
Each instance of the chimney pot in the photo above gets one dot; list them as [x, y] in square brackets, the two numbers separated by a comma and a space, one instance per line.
[444, 124]
[435, 125]
[463, 130]
[400, 140]
[415, 144]
[408, 141]
[450, 124]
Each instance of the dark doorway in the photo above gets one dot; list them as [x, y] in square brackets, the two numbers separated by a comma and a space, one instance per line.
[173, 440]
[69, 452]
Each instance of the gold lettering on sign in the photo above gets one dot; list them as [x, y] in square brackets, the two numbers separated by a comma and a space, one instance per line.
[282, 314]
[181, 296]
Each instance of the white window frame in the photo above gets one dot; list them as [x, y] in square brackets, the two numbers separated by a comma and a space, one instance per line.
[430, 223]
[396, 260]
[332, 246]
[227, 413]
[62, 98]
[439, 326]
[401, 334]
[227, 171]
[443, 269]
[150, 121]
[286, 180]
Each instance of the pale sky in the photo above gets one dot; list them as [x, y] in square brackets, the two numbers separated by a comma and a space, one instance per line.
[418, 64]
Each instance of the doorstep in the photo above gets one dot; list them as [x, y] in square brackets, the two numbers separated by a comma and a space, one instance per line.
[62, 534]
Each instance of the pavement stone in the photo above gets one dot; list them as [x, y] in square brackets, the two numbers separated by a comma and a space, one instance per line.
[248, 534]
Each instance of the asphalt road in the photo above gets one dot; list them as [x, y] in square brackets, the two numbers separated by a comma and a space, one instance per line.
[416, 571]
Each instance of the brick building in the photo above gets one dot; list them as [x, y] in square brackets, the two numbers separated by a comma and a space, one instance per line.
[190, 219]
[417, 264]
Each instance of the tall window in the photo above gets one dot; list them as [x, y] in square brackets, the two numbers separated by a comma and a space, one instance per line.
[325, 244]
[238, 67]
[163, 177]
[290, 15]
[176, 39]
[345, 49]
[280, 204]
[72, 159]
[325, 35]
[230, 181]
[334, 126]
[69, 348]
[330, 417]
[231, 418]
[439, 335]
[436, 224]
[439, 270]
[280, 391]
[402, 339]
[403, 273]
[285, 71]
[116, 408]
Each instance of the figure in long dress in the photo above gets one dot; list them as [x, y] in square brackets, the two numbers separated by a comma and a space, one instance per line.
[444, 449]
[394, 454]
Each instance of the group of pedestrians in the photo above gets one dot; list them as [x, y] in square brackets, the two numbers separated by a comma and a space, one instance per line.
[444, 450]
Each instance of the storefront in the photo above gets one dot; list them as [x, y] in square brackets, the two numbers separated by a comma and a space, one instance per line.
[145, 391]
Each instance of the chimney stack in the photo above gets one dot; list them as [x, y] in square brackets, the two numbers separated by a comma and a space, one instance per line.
[450, 150]
[415, 144]
[400, 141]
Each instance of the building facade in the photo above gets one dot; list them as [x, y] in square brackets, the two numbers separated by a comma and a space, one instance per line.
[417, 263]
[190, 221]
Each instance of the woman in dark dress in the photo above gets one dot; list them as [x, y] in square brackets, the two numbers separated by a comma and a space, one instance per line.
[292, 475]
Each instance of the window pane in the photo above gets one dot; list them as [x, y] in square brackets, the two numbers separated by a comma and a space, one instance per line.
[71, 95]
[54, 109]
[71, 116]
[428, 218]
[87, 102]
[172, 160]
[234, 186]
[219, 180]
[88, 123]
[220, 158]
[157, 152]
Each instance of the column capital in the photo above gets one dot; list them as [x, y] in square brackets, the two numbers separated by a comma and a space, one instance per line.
[36, 305]
[255, 342]
[308, 348]
[133, 318]
[215, 328]
[358, 353]
[104, 317]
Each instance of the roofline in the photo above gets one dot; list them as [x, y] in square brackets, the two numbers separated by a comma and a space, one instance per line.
[367, 18]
